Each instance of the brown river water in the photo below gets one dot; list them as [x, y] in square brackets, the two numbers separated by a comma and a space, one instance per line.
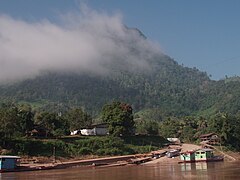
[213, 170]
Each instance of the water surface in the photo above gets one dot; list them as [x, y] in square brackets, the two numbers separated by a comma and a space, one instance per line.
[213, 170]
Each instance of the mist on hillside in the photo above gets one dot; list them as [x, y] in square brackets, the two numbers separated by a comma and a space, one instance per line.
[84, 41]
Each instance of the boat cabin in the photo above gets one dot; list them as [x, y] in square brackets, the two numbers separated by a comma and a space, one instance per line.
[188, 156]
[8, 162]
[172, 153]
[203, 154]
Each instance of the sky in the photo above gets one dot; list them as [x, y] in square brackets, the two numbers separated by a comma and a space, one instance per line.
[203, 34]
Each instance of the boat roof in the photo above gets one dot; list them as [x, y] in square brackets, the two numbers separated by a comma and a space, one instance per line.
[205, 149]
[10, 157]
[188, 152]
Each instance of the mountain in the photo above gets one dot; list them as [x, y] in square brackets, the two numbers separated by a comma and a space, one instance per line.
[168, 86]
[157, 83]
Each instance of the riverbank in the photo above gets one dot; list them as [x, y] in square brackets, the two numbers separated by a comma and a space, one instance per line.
[88, 161]
[228, 156]
[93, 161]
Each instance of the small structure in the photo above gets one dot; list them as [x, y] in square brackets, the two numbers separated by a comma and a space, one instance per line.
[38, 131]
[96, 130]
[88, 132]
[8, 163]
[188, 156]
[204, 155]
[210, 138]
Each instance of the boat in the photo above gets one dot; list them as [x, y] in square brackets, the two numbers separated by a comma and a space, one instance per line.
[173, 153]
[200, 155]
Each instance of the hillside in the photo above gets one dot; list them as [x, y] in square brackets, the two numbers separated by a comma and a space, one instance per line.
[151, 81]
[169, 87]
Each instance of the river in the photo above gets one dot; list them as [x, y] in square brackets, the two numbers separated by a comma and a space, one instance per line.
[213, 170]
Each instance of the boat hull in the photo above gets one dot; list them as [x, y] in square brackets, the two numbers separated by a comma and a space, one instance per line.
[216, 158]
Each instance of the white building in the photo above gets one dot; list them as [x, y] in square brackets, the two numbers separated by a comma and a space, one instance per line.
[94, 130]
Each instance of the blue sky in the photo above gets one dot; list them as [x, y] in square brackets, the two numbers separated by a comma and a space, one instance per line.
[203, 34]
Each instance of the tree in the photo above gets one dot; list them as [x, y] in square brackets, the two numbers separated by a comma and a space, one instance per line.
[149, 127]
[25, 115]
[170, 128]
[78, 119]
[119, 116]
[8, 121]
[52, 123]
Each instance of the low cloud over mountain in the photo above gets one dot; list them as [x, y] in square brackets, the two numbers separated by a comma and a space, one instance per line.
[81, 41]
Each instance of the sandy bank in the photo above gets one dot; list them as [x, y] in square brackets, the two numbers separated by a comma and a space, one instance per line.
[119, 160]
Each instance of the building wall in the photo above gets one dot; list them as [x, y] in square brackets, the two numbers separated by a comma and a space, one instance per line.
[101, 131]
[188, 157]
[88, 132]
[203, 155]
[200, 155]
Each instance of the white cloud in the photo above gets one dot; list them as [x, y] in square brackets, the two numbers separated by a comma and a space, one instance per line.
[83, 41]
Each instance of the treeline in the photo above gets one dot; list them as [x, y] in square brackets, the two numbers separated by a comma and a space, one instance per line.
[189, 129]
[17, 122]
[20, 120]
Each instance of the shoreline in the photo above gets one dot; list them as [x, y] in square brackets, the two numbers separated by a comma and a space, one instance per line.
[144, 159]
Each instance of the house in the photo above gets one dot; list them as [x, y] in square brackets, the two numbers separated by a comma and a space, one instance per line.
[8, 163]
[210, 138]
[96, 130]
[88, 132]
[93, 130]
[204, 155]
[38, 132]
[101, 129]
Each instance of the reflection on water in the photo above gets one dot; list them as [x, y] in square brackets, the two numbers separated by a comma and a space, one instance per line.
[213, 170]
[196, 166]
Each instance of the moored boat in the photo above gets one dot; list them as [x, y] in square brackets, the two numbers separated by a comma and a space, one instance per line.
[200, 155]
[173, 153]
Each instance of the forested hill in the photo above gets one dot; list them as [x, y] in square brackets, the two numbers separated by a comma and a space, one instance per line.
[151, 81]
[168, 87]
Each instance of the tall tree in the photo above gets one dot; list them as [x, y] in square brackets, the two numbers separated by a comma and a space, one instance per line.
[25, 115]
[78, 119]
[170, 128]
[8, 121]
[47, 121]
[119, 116]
